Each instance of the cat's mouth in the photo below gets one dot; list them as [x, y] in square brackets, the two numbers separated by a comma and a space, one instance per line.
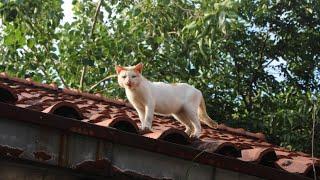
[130, 85]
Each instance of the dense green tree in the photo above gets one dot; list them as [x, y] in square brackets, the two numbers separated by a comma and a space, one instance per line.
[256, 62]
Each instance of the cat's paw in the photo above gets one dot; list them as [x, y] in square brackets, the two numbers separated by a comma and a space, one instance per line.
[216, 125]
[145, 130]
[188, 131]
[195, 135]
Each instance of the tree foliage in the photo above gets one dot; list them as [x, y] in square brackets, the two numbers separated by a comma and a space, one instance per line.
[256, 62]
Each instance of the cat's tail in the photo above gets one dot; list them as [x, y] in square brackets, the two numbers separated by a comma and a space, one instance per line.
[203, 116]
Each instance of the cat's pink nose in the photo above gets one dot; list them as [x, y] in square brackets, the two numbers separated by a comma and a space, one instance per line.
[128, 83]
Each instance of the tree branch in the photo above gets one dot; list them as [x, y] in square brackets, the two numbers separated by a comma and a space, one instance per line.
[255, 77]
[95, 18]
[55, 66]
[83, 72]
[84, 68]
[263, 48]
[314, 114]
[62, 80]
[261, 55]
[266, 65]
[102, 80]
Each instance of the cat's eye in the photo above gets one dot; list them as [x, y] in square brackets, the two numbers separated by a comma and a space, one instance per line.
[123, 77]
[134, 76]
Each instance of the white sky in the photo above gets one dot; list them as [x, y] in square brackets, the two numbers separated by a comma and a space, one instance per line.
[67, 11]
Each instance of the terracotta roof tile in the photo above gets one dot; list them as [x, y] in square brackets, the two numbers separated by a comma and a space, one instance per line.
[9, 95]
[96, 109]
[217, 146]
[170, 134]
[260, 155]
[297, 166]
[65, 109]
[123, 123]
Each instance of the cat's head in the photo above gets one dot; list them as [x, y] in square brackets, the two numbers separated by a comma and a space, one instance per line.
[129, 77]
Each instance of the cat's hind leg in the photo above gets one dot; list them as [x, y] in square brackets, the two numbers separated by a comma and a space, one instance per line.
[192, 115]
[182, 118]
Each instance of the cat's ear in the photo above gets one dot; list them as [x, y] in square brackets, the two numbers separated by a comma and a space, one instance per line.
[138, 67]
[118, 69]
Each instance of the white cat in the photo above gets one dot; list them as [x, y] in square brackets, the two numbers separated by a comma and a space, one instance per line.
[184, 102]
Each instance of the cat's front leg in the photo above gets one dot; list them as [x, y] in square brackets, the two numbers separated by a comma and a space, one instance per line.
[149, 116]
[141, 115]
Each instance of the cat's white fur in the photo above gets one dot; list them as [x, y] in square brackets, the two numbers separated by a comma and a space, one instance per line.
[184, 102]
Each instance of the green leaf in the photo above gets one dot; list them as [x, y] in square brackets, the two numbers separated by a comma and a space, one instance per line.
[9, 40]
[30, 43]
[190, 26]
[136, 12]
[88, 62]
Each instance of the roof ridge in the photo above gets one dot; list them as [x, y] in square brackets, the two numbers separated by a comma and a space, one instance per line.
[241, 131]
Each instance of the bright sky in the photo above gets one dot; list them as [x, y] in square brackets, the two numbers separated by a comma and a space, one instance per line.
[67, 10]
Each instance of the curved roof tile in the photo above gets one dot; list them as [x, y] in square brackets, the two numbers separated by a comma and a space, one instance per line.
[297, 166]
[122, 123]
[218, 146]
[65, 109]
[169, 134]
[7, 94]
[260, 155]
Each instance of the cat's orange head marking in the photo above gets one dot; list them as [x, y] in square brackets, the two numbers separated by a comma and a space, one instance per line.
[119, 69]
[138, 68]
